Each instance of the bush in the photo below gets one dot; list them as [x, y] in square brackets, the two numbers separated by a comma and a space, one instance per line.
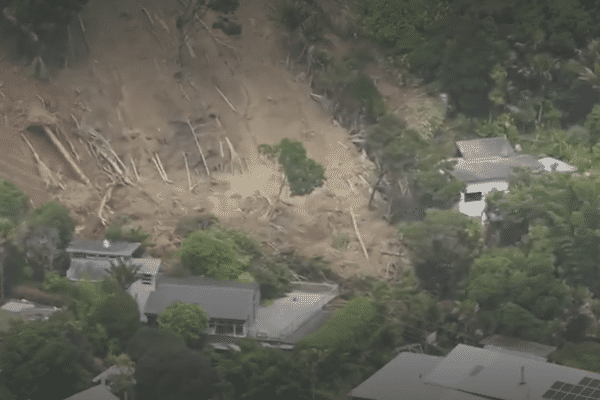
[54, 283]
[341, 241]
[223, 6]
[187, 225]
[54, 215]
[121, 230]
[36, 295]
[349, 327]
[14, 204]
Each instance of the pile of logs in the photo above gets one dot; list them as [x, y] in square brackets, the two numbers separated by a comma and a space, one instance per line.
[106, 158]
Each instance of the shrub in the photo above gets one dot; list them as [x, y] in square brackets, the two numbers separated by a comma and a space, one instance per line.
[341, 241]
[120, 229]
[187, 225]
[349, 326]
[223, 6]
[54, 283]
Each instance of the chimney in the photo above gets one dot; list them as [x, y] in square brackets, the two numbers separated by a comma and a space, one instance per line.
[522, 375]
[106, 244]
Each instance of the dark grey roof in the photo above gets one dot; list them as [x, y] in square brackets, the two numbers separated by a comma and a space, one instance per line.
[499, 374]
[123, 249]
[488, 147]
[493, 168]
[92, 269]
[399, 380]
[220, 299]
[523, 346]
[99, 392]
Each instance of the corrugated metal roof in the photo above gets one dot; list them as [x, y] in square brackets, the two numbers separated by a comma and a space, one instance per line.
[95, 269]
[493, 168]
[501, 374]
[123, 249]
[220, 299]
[488, 147]
[399, 380]
[523, 346]
[99, 392]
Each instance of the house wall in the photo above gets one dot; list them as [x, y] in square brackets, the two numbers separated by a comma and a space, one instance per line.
[476, 208]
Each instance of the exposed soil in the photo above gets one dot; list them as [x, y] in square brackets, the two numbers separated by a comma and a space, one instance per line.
[132, 89]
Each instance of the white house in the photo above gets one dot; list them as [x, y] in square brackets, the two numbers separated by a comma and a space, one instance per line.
[485, 165]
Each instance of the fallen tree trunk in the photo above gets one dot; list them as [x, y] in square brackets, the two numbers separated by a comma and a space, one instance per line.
[358, 236]
[66, 155]
[43, 169]
[105, 199]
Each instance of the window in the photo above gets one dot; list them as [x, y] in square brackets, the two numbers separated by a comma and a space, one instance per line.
[225, 329]
[475, 196]
[239, 329]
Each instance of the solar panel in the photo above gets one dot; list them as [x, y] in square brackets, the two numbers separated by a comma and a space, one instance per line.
[576, 389]
[567, 387]
[570, 396]
[581, 398]
[549, 394]
[559, 396]
[585, 381]
[587, 391]
[595, 383]
[595, 395]
[557, 385]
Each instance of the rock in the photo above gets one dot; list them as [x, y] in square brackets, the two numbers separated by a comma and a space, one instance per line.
[39, 117]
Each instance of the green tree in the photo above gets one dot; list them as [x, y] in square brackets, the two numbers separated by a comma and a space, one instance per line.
[54, 215]
[186, 320]
[122, 384]
[14, 204]
[174, 373]
[442, 248]
[212, 253]
[303, 174]
[528, 280]
[592, 124]
[37, 355]
[568, 206]
[122, 230]
[259, 373]
[124, 273]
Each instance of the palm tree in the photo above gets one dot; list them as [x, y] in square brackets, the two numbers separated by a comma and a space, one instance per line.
[124, 273]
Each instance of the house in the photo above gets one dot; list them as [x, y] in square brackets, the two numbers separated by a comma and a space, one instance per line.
[485, 165]
[472, 373]
[79, 248]
[91, 260]
[99, 392]
[231, 306]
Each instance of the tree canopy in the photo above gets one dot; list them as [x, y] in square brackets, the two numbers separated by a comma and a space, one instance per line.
[569, 206]
[213, 253]
[442, 248]
[37, 355]
[186, 320]
[303, 174]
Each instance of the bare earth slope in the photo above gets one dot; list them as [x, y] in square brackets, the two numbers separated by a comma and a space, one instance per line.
[132, 90]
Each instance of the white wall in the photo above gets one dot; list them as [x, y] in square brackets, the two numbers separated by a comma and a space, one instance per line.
[476, 208]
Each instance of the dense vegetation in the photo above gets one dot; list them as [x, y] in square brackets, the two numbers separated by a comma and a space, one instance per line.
[527, 70]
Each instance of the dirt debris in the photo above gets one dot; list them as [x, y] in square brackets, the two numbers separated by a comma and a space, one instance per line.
[140, 97]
